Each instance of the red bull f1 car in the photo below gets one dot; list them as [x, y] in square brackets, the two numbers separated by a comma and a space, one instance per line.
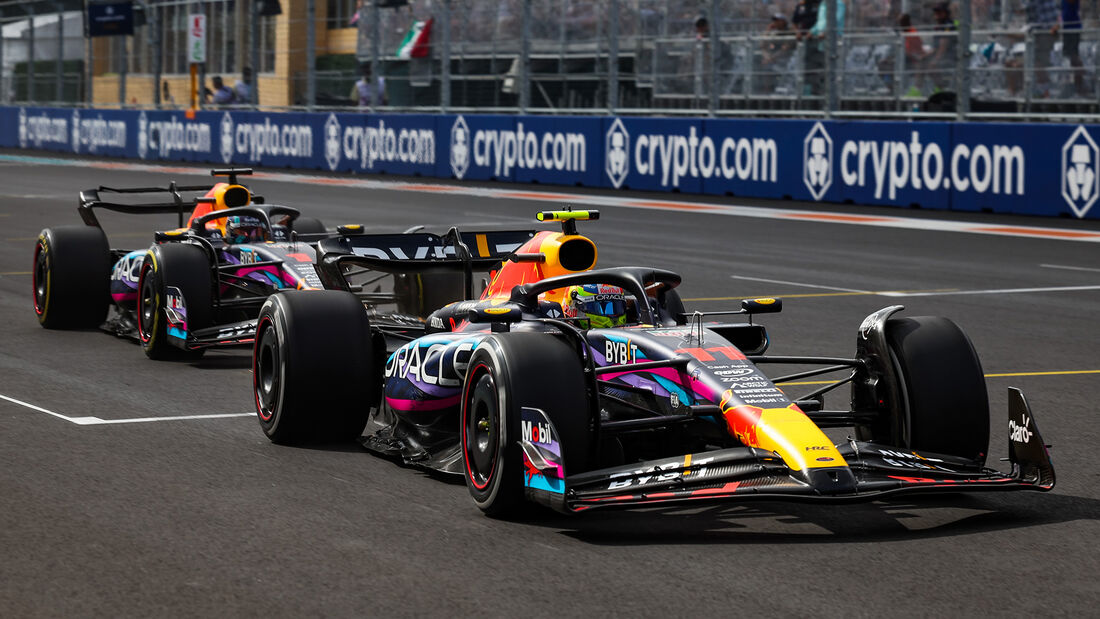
[523, 391]
[199, 286]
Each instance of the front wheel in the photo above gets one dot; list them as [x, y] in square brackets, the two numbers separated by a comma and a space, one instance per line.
[314, 369]
[175, 277]
[308, 225]
[507, 373]
[942, 403]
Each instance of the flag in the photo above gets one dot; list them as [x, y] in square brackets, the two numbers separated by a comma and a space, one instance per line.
[415, 43]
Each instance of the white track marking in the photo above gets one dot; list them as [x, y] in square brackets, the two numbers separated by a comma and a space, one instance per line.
[96, 421]
[996, 291]
[1069, 268]
[780, 281]
[546, 195]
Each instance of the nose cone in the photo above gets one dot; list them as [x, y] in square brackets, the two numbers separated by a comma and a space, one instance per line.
[839, 480]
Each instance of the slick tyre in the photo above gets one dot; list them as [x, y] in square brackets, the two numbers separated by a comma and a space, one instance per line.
[673, 307]
[186, 268]
[71, 277]
[944, 405]
[308, 225]
[505, 374]
[315, 371]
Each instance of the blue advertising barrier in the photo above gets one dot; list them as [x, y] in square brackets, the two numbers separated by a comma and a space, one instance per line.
[892, 163]
[1035, 169]
[653, 154]
[1029, 169]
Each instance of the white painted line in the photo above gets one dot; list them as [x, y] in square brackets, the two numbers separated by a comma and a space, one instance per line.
[655, 202]
[997, 291]
[96, 421]
[1069, 268]
[36, 408]
[780, 281]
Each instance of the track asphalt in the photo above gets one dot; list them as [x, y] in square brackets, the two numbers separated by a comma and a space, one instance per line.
[181, 507]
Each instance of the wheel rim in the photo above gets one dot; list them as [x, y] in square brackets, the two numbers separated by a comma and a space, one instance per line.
[147, 304]
[480, 430]
[40, 279]
[265, 371]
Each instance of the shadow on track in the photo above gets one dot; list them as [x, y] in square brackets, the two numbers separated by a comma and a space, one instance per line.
[776, 522]
[223, 361]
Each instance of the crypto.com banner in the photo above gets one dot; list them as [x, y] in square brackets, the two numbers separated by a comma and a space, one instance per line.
[1038, 169]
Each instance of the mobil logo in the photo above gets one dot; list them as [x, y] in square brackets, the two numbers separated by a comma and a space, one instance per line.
[1080, 171]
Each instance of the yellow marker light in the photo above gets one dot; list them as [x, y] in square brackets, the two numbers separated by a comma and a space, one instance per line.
[550, 216]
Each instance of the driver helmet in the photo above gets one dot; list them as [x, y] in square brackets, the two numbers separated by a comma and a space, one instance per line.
[244, 229]
[597, 306]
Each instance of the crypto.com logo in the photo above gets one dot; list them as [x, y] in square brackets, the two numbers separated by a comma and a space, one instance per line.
[76, 131]
[143, 135]
[616, 155]
[460, 147]
[227, 137]
[817, 161]
[332, 141]
[1080, 172]
[22, 128]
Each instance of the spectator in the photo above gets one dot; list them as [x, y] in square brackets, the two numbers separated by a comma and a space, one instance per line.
[165, 96]
[222, 94]
[369, 92]
[914, 51]
[702, 27]
[701, 58]
[1071, 42]
[775, 52]
[242, 89]
[1042, 24]
[804, 17]
[815, 48]
[802, 20]
[940, 64]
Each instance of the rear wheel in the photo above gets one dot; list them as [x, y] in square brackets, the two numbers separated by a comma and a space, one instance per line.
[71, 277]
[943, 405]
[186, 268]
[314, 371]
[507, 373]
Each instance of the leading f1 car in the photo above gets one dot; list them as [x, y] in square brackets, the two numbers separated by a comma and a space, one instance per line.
[580, 388]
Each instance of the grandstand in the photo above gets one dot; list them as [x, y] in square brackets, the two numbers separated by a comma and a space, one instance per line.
[577, 57]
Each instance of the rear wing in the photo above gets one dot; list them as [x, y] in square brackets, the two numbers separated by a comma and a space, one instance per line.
[422, 252]
[169, 199]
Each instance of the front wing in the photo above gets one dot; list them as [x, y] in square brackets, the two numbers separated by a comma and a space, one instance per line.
[870, 472]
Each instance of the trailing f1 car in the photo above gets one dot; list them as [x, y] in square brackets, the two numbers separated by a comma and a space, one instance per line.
[199, 286]
[579, 388]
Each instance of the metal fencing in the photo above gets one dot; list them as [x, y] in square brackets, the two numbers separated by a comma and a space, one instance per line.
[867, 58]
